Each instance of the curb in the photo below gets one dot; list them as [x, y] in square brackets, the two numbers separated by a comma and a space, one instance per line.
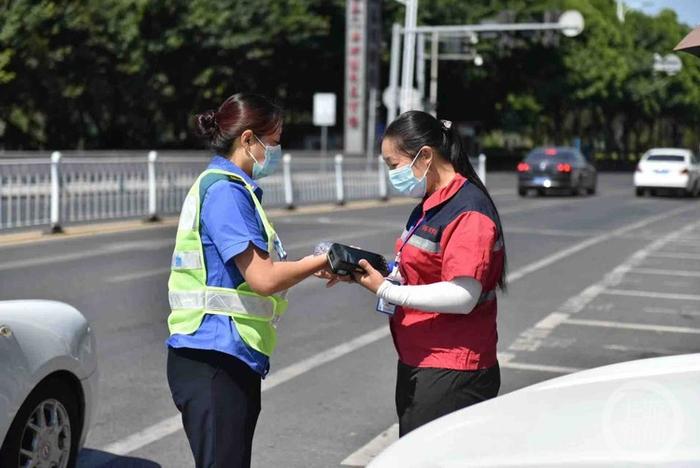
[86, 230]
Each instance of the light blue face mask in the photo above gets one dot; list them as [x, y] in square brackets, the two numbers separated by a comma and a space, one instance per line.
[273, 155]
[403, 179]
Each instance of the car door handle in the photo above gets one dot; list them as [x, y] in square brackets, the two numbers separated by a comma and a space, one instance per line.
[5, 331]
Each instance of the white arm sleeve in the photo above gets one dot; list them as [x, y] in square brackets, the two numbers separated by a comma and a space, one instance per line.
[458, 296]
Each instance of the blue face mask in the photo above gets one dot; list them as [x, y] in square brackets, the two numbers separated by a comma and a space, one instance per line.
[273, 155]
[403, 180]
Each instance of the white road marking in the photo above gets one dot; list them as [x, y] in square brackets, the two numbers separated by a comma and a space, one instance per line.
[681, 256]
[652, 294]
[671, 311]
[640, 349]
[539, 367]
[632, 326]
[657, 271]
[549, 232]
[106, 249]
[138, 275]
[173, 424]
[363, 456]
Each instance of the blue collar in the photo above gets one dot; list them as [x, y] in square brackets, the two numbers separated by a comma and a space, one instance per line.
[219, 162]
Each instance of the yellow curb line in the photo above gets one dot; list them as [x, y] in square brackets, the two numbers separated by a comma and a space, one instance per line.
[87, 230]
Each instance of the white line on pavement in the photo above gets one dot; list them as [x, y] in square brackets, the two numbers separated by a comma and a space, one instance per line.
[675, 255]
[539, 367]
[173, 424]
[657, 271]
[106, 249]
[365, 455]
[671, 311]
[652, 294]
[640, 349]
[549, 232]
[632, 326]
[138, 275]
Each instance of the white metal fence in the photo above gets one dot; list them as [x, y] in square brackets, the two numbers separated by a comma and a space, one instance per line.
[61, 190]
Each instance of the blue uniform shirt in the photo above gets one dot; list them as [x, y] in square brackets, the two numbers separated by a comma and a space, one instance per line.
[229, 224]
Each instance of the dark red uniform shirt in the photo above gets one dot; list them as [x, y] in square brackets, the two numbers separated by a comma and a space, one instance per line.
[458, 237]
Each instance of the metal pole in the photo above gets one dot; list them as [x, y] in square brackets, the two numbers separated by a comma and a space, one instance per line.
[371, 126]
[324, 141]
[394, 73]
[420, 68]
[409, 54]
[482, 168]
[381, 170]
[287, 177]
[339, 189]
[434, 51]
[152, 187]
[56, 193]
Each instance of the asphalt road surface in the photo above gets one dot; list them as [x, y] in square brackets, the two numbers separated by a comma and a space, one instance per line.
[593, 281]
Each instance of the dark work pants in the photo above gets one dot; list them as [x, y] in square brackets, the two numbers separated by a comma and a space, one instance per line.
[424, 394]
[219, 398]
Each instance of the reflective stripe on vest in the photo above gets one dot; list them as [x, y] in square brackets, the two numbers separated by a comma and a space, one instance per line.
[226, 302]
[190, 297]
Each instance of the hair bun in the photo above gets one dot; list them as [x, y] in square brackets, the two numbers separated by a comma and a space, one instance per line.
[206, 122]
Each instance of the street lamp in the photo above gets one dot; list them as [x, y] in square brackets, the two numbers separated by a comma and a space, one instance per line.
[409, 53]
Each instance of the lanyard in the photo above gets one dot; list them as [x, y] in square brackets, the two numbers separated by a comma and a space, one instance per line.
[409, 235]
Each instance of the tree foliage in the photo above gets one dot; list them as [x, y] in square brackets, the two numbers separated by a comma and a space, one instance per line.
[131, 73]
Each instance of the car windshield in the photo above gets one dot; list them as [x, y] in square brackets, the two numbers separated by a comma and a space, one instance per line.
[550, 155]
[666, 157]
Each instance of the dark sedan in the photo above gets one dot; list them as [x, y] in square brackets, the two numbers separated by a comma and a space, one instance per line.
[558, 169]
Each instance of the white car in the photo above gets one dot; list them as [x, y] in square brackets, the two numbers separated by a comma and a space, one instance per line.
[644, 412]
[668, 168]
[48, 383]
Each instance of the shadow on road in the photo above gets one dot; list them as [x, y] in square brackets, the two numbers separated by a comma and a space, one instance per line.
[90, 458]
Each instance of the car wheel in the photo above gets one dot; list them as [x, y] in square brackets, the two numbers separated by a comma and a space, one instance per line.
[639, 192]
[46, 429]
[522, 192]
[591, 190]
[541, 192]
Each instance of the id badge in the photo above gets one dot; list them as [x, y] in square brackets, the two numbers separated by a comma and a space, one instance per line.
[384, 307]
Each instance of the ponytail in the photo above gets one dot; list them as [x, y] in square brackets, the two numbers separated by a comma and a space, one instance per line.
[462, 164]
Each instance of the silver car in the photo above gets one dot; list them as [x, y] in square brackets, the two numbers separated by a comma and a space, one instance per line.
[48, 383]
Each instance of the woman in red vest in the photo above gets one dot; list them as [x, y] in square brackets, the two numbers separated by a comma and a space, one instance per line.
[450, 261]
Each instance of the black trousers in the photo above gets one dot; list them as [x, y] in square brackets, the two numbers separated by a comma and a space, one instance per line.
[219, 398]
[424, 394]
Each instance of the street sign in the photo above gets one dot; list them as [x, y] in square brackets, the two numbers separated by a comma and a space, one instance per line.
[571, 22]
[324, 109]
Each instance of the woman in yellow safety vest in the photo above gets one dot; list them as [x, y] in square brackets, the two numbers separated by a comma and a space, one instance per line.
[225, 291]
